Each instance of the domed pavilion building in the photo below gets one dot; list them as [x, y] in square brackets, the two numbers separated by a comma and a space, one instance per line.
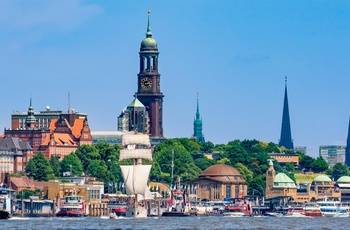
[281, 187]
[218, 182]
[344, 187]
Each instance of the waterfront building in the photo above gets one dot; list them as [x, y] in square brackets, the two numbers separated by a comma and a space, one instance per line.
[332, 154]
[87, 187]
[51, 132]
[14, 156]
[344, 185]
[281, 187]
[198, 125]
[20, 183]
[286, 133]
[284, 158]
[218, 182]
[347, 149]
[148, 92]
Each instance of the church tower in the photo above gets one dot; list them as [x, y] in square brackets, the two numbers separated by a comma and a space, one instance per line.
[347, 149]
[30, 119]
[286, 134]
[148, 92]
[197, 125]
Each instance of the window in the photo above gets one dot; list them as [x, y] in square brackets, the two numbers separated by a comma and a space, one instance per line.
[228, 191]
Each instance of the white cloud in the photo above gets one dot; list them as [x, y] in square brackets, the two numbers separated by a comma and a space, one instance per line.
[45, 14]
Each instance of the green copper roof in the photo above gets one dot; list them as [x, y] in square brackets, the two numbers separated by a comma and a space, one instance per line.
[136, 103]
[322, 178]
[344, 179]
[270, 162]
[283, 181]
[149, 42]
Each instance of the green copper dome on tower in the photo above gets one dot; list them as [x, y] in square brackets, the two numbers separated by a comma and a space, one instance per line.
[149, 43]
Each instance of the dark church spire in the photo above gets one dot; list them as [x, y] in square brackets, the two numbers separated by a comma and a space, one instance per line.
[286, 134]
[347, 149]
[197, 125]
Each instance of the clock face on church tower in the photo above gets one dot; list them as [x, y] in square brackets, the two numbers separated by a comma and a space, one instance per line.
[146, 83]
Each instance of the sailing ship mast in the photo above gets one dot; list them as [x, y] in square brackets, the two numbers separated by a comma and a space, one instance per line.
[136, 147]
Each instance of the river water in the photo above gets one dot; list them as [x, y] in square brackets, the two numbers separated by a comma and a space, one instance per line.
[213, 222]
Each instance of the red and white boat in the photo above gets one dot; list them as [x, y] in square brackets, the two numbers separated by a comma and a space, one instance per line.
[72, 206]
[238, 210]
[312, 210]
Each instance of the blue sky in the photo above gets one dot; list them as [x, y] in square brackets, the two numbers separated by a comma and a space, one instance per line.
[235, 54]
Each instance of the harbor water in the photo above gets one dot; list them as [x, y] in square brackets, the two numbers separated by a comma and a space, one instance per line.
[204, 222]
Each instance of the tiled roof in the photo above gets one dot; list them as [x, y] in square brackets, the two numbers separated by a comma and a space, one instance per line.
[63, 139]
[22, 182]
[78, 127]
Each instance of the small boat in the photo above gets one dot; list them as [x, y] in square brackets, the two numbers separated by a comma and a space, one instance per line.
[72, 206]
[237, 210]
[4, 214]
[178, 206]
[273, 214]
[295, 212]
[312, 209]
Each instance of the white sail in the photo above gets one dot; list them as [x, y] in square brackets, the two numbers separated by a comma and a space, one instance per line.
[135, 153]
[135, 178]
[136, 139]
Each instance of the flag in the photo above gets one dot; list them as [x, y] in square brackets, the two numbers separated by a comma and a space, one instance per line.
[157, 188]
[110, 184]
[195, 189]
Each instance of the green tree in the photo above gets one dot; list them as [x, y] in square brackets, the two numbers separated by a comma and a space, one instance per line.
[339, 170]
[290, 167]
[319, 165]
[98, 169]
[71, 163]
[203, 162]
[244, 171]
[39, 168]
[86, 153]
[55, 165]
[26, 194]
[306, 162]
[207, 147]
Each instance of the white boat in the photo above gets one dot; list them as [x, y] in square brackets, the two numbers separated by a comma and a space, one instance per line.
[333, 209]
[136, 147]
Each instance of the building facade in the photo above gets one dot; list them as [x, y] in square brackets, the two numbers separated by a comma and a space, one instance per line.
[284, 158]
[280, 186]
[332, 154]
[148, 92]
[50, 132]
[14, 156]
[218, 182]
[134, 118]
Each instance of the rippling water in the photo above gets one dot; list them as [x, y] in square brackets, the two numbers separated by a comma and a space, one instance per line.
[214, 222]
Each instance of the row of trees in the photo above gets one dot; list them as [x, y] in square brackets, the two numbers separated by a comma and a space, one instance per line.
[249, 157]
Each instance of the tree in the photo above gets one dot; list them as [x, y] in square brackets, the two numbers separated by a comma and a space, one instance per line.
[71, 163]
[339, 170]
[25, 194]
[98, 169]
[290, 167]
[305, 162]
[203, 163]
[86, 153]
[246, 173]
[55, 165]
[39, 168]
[207, 147]
[319, 165]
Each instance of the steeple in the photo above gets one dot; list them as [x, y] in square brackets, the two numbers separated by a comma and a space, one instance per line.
[30, 120]
[347, 149]
[197, 125]
[149, 33]
[286, 134]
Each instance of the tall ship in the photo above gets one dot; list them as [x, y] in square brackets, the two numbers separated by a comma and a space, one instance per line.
[137, 146]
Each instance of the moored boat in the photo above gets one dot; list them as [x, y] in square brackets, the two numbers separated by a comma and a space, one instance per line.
[237, 210]
[333, 209]
[312, 210]
[72, 206]
[4, 214]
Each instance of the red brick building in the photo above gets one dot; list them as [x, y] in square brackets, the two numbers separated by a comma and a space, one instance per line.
[51, 132]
